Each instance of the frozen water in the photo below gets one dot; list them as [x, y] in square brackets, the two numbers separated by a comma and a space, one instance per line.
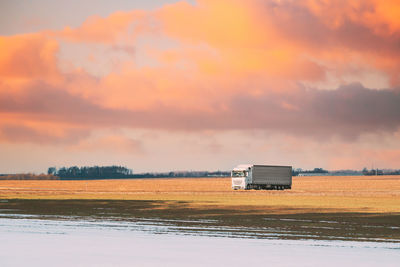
[38, 242]
[94, 243]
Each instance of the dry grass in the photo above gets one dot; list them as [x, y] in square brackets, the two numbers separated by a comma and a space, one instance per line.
[379, 194]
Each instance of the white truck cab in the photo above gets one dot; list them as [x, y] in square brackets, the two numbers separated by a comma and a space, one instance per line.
[241, 176]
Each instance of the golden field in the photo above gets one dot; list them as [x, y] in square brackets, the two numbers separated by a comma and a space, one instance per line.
[370, 194]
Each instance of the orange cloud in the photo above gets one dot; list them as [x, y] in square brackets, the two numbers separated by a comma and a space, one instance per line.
[207, 22]
[242, 39]
[117, 26]
[30, 130]
[301, 41]
[351, 32]
[233, 60]
[380, 16]
[116, 143]
[28, 56]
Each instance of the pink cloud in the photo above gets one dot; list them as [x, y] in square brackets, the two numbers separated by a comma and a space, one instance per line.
[28, 56]
[118, 26]
[236, 65]
[116, 143]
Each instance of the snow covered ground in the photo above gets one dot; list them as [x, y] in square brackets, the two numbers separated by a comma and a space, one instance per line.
[36, 242]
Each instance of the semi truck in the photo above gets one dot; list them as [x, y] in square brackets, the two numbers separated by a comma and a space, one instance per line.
[268, 177]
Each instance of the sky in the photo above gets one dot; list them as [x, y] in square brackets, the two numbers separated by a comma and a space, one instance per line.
[199, 85]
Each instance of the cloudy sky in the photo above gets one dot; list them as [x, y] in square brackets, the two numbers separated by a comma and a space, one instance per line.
[199, 85]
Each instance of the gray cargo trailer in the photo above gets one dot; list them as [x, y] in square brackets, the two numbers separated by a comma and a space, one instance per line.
[249, 176]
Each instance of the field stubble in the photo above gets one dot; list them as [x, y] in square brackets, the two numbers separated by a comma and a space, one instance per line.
[374, 194]
[342, 208]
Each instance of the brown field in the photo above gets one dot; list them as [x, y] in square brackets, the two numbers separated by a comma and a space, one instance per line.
[366, 194]
[343, 208]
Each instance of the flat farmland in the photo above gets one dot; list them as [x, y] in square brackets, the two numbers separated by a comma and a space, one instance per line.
[370, 194]
[342, 208]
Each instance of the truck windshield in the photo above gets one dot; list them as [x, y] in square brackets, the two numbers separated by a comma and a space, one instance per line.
[237, 174]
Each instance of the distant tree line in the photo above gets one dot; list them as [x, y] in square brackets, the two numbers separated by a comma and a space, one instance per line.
[95, 172]
[28, 176]
[391, 172]
[296, 172]
[119, 172]
[365, 171]
[181, 174]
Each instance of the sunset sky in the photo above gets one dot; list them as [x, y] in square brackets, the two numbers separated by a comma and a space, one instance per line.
[199, 85]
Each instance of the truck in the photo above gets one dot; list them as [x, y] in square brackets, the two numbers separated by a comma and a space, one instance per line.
[268, 177]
